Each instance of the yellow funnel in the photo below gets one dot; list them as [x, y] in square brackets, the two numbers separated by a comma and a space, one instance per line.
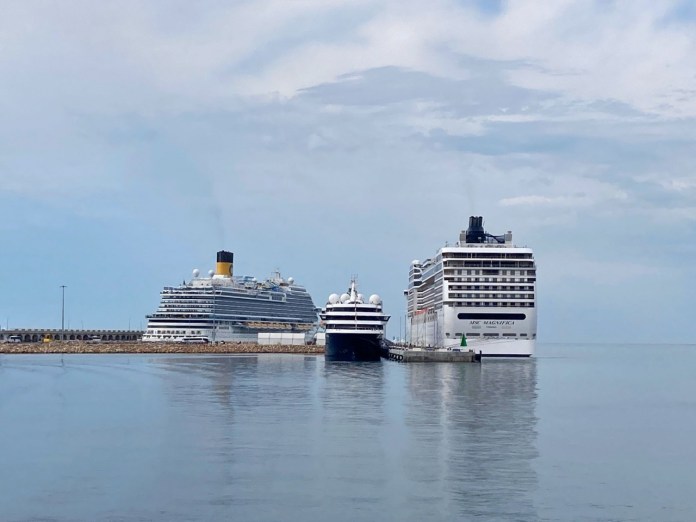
[225, 263]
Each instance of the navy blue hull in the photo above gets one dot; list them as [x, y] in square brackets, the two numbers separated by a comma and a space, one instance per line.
[353, 347]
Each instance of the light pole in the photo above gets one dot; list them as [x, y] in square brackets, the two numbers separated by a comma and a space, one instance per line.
[62, 314]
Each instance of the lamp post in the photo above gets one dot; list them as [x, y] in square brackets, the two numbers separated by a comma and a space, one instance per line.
[62, 314]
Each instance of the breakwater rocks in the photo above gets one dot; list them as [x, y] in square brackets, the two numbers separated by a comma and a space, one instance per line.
[140, 347]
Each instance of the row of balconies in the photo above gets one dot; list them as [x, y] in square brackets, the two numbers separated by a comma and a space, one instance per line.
[499, 297]
[492, 288]
[493, 255]
[488, 264]
[491, 280]
[484, 303]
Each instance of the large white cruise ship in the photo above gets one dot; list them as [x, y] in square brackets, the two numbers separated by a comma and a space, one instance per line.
[224, 307]
[479, 293]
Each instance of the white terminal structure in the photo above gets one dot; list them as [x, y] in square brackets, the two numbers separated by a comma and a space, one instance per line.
[479, 294]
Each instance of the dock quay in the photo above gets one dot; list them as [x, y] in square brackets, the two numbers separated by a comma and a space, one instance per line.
[130, 347]
[420, 355]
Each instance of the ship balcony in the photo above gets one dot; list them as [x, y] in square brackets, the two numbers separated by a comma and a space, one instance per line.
[355, 324]
[489, 298]
[354, 328]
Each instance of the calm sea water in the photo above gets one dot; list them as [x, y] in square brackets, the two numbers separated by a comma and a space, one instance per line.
[579, 433]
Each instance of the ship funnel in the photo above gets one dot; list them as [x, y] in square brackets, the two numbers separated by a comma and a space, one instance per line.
[475, 232]
[225, 263]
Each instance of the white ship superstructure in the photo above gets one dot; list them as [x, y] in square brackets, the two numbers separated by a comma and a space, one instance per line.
[479, 293]
[224, 307]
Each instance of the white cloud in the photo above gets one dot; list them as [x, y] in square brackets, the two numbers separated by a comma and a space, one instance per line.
[574, 200]
[583, 51]
[186, 55]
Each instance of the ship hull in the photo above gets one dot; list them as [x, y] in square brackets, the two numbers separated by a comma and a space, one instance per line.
[509, 336]
[353, 347]
[229, 334]
[502, 348]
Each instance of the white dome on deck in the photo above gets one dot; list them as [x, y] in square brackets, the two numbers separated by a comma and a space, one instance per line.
[196, 272]
[333, 298]
[344, 298]
[375, 299]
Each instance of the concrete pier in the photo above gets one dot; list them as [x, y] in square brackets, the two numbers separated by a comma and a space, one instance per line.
[421, 355]
[114, 347]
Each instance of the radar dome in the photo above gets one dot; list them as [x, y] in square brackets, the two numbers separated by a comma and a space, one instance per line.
[361, 298]
[344, 298]
[375, 299]
[196, 272]
[333, 298]
[211, 273]
[415, 262]
[253, 280]
[291, 280]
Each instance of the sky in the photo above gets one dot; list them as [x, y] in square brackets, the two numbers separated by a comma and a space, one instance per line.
[331, 138]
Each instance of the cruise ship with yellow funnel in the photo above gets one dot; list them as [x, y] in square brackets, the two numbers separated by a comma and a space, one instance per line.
[225, 307]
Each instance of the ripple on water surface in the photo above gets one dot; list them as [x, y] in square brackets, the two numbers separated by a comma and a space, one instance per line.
[290, 437]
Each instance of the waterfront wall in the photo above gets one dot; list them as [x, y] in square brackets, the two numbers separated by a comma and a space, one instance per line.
[144, 347]
[34, 335]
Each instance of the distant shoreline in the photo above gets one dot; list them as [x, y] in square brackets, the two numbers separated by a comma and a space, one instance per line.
[76, 347]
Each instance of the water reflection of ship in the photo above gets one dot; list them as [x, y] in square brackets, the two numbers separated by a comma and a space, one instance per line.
[358, 389]
[354, 421]
[478, 423]
[224, 416]
[230, 382]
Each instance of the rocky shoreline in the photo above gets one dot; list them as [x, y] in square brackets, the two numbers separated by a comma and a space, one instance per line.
[68, 347]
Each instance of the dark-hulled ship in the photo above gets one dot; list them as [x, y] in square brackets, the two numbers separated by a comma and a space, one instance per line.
[354, 326]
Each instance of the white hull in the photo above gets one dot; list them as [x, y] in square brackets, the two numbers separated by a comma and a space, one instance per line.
[501, 348]
[221, 334]
[514, 337]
